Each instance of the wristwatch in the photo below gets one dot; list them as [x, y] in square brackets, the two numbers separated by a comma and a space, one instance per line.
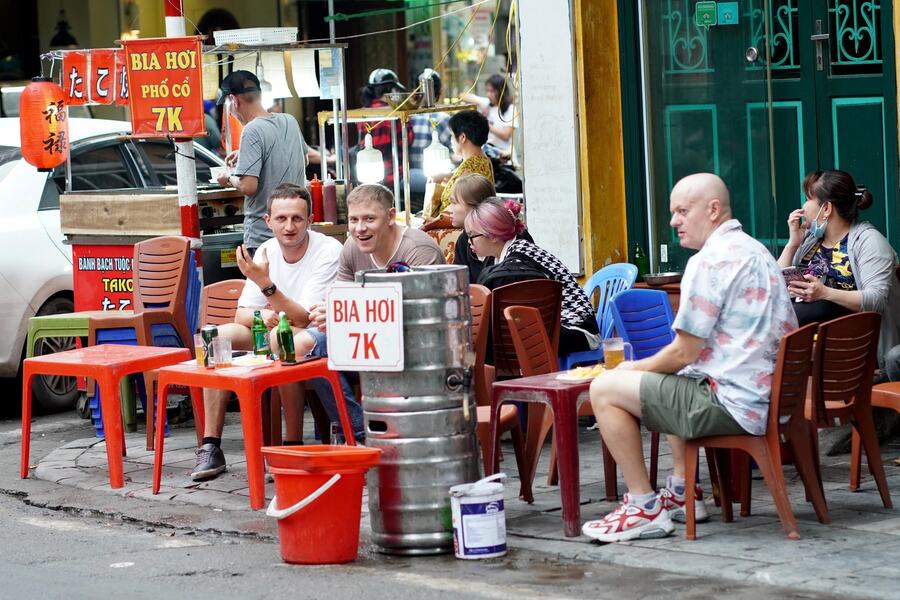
[268, 291]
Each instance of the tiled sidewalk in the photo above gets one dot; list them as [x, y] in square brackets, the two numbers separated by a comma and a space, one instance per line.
[855, 555]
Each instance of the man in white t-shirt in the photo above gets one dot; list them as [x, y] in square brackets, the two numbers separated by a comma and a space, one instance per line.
[289, 273]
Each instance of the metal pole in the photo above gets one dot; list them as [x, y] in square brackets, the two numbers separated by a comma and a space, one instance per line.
[648, 154]
[405, 142]
[185, 169]
[396, 170]
[334, 101]
[322, 149]
[344, 137]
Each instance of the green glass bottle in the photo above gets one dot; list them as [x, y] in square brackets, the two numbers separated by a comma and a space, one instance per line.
[639, 259]
[260, 335]
[285, 340]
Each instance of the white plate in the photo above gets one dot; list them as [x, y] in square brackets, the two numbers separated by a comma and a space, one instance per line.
[573, 378]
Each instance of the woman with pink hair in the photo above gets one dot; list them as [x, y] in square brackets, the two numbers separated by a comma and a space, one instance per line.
[492, 228]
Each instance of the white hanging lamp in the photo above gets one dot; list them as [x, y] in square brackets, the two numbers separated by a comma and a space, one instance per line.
[436, 158]
[369, 163]
[266, 96]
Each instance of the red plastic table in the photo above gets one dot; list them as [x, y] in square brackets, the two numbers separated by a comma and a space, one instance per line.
[249, 383]
[107, 363]
[564, 398]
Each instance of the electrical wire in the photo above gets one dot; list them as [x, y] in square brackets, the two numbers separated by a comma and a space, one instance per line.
[396, 29]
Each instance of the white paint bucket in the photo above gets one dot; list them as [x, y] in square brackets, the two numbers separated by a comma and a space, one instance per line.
[479, 518]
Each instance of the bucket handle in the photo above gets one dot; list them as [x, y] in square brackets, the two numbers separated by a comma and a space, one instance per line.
[488, 479]
[283, 513]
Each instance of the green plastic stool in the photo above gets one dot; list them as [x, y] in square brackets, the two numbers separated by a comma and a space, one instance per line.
[77, 324]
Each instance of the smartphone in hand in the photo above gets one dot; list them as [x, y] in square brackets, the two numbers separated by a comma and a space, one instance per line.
[792, 274]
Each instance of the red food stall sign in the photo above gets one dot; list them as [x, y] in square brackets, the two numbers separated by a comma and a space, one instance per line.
[75, 77]
[166, 94]
[103, 77]
[102, 277]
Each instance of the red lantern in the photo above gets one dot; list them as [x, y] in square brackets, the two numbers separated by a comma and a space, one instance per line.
[44, 124]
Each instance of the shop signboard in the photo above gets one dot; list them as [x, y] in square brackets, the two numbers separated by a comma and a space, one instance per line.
[102, 277]
[365, 326]
[165, 78]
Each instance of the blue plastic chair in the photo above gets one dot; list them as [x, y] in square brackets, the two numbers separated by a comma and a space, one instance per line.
[607, 282]
[643, 318]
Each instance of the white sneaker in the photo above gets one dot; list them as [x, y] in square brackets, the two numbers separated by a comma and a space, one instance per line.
[631, 522]
[675, 505]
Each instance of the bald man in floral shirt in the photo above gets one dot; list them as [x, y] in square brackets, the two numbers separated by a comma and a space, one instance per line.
[713, 379]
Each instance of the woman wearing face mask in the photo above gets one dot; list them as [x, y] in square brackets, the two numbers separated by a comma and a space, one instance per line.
[850, 265]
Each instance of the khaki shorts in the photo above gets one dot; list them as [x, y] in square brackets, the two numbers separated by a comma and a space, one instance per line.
[683, 406]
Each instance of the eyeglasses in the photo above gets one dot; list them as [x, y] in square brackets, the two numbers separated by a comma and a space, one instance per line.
[475, 235]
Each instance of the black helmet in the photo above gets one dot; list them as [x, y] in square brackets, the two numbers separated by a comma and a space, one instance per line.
[382, 76]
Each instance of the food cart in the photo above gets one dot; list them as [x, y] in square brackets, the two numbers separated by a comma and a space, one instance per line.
[102, 227]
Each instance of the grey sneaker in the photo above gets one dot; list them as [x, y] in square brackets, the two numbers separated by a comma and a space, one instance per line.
[210, 462]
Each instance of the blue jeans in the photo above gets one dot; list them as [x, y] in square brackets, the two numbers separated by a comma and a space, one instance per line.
[326, 396]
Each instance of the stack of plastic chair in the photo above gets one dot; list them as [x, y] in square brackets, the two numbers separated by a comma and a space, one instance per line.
[607, 283]
[166, 301]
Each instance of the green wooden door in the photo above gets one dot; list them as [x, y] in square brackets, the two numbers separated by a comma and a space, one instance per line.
[707, 111]
[834, 101]
[821, 95]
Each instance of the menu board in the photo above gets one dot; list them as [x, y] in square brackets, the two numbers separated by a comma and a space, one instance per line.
[550, 130]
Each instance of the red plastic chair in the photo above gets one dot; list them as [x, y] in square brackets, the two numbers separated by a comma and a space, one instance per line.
[543, 294]
[885, 395]
[844, 364]
[480, 301]
[786, 423]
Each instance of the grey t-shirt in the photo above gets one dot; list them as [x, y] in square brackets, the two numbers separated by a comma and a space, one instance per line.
[274, 151]
[416, 249]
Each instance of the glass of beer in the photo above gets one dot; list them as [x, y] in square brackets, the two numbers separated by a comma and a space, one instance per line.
[615, 351]
[199, 350]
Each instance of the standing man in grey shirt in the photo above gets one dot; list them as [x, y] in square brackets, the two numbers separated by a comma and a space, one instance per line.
[272, 152]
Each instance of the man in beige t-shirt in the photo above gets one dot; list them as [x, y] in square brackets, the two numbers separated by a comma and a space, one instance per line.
[376, 240]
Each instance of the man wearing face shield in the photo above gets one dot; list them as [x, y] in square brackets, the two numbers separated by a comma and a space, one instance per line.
[272, 152]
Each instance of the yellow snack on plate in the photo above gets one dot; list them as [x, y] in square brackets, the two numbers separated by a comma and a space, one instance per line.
[583, 372]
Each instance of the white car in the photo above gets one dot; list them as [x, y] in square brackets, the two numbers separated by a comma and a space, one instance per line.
[35, 264]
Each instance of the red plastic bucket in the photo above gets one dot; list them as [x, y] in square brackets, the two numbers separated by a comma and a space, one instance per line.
[318, 500]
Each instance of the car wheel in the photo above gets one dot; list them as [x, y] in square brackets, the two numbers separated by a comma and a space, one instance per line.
[54, 393]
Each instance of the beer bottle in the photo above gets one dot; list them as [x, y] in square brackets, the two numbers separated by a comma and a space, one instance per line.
[260, 335]
[639, 259]
[285, 340]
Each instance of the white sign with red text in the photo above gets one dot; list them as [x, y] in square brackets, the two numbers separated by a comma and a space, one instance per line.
[365, 327]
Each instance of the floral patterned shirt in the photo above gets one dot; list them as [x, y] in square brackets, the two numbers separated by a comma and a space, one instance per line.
[734, 297]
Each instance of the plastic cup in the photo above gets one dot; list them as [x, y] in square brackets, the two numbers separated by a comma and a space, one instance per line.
[222, 352]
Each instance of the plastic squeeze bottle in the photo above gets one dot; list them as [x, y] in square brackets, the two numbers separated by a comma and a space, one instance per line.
[315, 190]
[329, 199]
